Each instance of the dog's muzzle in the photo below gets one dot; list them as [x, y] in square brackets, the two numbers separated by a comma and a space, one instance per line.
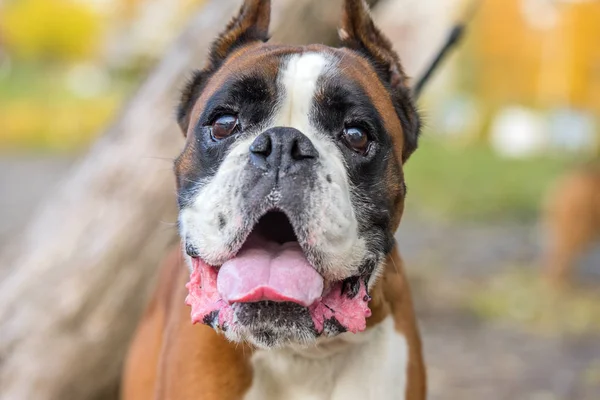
[274, 287]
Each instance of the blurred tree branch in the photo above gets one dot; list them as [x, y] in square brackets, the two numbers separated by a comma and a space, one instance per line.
[73, 285]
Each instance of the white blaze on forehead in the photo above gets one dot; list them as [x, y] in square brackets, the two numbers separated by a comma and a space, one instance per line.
[298, 79]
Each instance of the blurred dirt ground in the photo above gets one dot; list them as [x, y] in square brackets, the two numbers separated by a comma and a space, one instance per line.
[470, 354]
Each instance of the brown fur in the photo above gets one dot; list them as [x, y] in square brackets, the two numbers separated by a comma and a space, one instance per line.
[359, 31]
[572, 220]
[252, 23]
[172, 359]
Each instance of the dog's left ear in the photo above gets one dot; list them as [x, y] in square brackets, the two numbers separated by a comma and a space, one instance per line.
[251, 24]
[359, 33]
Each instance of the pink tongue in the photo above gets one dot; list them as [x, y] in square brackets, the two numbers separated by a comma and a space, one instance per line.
[268, 271]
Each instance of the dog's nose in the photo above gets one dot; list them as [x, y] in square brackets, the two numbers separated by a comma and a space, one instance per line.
[284, 149]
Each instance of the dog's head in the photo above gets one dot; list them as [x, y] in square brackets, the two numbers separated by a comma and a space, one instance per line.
[290, 184]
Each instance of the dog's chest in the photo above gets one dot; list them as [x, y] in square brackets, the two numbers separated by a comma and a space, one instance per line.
[375, 369]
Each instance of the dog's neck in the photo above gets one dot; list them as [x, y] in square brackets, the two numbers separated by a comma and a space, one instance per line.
[371, 364]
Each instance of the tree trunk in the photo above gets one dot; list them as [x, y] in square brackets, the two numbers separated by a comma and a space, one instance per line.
[73, 285]
[312, 23]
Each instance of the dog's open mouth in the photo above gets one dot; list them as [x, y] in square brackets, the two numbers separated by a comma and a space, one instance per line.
[271, 268]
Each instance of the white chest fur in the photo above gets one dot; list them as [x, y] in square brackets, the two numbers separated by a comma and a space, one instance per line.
[367, 366]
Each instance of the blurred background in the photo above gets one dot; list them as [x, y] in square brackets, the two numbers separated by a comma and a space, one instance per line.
[512, 125]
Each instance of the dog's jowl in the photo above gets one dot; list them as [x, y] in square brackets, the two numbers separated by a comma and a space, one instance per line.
[290, 189]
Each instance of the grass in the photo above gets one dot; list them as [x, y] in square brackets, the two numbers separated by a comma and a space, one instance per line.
[473, 183]
[521, 297]
[516, 297]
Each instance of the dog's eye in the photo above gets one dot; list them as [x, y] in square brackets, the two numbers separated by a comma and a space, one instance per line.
[224, 126]
[357, 139]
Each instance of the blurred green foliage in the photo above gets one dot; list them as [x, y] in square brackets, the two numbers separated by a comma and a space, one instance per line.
[472, 182]
[520, 297]
[38, 111]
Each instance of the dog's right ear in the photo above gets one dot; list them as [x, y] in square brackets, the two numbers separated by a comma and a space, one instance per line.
[250, 25]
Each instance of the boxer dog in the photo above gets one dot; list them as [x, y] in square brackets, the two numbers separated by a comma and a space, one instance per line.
[290, 189]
